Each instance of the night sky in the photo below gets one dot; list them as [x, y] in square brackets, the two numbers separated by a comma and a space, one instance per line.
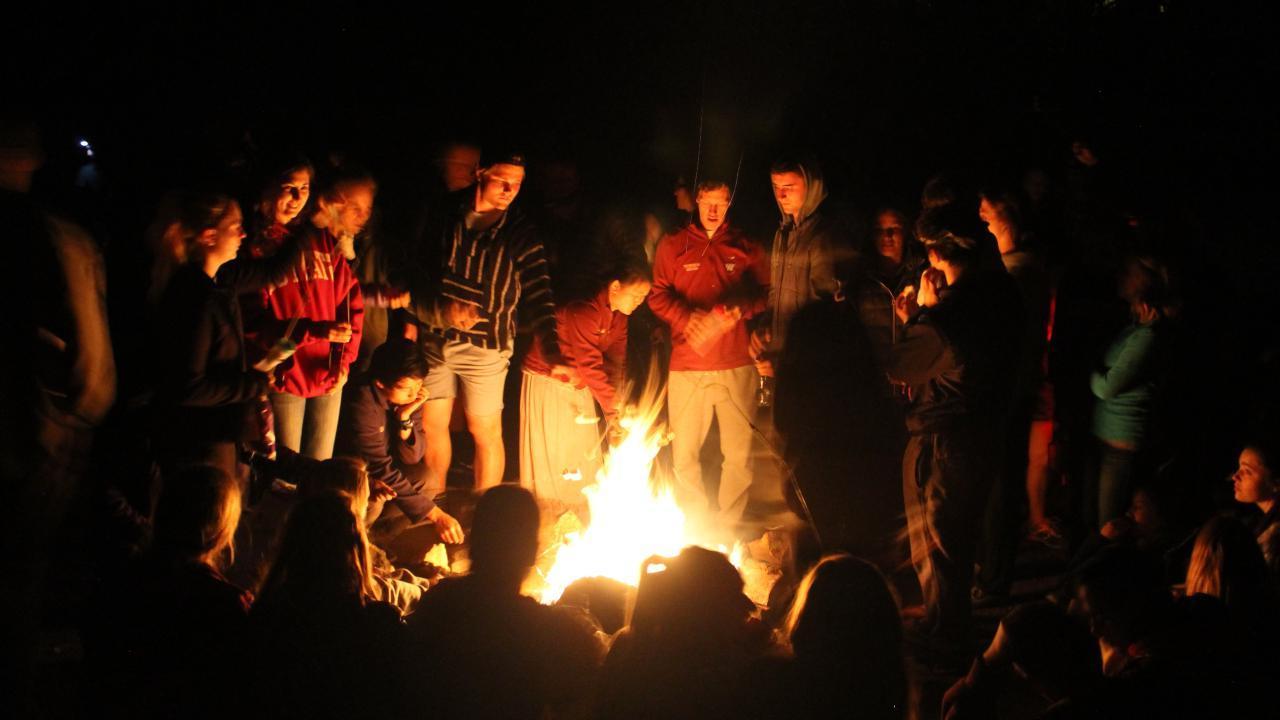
[886, 93]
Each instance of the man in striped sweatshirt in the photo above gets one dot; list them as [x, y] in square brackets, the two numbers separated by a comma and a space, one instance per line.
[477, 262]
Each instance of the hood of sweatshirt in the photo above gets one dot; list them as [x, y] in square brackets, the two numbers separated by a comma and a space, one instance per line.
[815, 193]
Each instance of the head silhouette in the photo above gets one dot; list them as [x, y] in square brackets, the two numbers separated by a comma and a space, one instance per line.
[504, 534]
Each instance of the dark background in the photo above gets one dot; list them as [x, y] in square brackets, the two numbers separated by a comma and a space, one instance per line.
[1175, 93]
[1175, 96]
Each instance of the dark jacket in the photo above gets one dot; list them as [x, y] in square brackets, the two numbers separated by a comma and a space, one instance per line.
[497, 270]
[875, 295]
[369, 429]
[204, 380]
[802, 262]
[960, 356]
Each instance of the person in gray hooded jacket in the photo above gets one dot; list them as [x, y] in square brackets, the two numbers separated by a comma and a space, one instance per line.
[802, 264]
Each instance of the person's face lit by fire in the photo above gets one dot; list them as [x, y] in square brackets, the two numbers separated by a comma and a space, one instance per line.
[354, 210]
[293, 196]
[713, 206]
[403, 392]
[993, 214]
[457, 166]
[222, 241]
[1252, 480]
[891, 236]
[499, 186]
[626, 298]
[789, 189]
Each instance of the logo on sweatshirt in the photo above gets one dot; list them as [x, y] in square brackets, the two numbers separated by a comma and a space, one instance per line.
[731, 264]
[690, 267]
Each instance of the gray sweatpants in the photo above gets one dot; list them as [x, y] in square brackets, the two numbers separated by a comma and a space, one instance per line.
[693, 398]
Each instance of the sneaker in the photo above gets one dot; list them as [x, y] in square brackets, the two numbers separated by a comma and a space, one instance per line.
[1048, 535]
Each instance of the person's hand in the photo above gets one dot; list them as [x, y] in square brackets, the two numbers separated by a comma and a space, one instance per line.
[460, 315]
[1116, 528]
[905, 305]
[406, 411]
[380, 492]
[931, 283]
[614, 434]
[760, 339]
[566, 374]
[698, 328]
[411, 331]
[399, 301]
[342, 380]
[338, 332]
[449, 529]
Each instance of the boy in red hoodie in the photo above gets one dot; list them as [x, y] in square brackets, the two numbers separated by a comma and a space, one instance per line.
[708, 280]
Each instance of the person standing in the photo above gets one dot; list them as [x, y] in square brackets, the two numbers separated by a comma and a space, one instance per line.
[802, 264]
[323, 295]
[478, 261]
[958, 352]
[559, 428]
[709, 279]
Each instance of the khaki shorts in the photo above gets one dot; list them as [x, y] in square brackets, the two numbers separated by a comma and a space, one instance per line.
[483, 374]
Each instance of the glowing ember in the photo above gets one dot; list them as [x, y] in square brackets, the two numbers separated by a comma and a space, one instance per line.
[631, 520]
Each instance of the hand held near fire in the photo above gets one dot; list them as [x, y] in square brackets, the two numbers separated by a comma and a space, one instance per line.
[449, 529]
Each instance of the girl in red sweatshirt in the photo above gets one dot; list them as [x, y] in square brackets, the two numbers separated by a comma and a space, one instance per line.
[320, 309]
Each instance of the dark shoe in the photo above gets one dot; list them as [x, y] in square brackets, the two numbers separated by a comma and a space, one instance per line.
[982, 599]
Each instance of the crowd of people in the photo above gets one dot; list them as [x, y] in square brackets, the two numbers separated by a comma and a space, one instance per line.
[266, 402]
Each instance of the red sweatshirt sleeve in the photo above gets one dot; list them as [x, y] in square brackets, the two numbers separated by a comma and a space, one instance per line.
[577, 327]
[351, 309]
[756, 299]
[665, 301]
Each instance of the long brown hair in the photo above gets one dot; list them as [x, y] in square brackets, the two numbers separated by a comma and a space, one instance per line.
[323, 561]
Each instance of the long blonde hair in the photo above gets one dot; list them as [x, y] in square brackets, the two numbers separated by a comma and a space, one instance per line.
[197, 516]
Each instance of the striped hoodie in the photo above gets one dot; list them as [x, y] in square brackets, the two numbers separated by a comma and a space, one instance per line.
[499, 270]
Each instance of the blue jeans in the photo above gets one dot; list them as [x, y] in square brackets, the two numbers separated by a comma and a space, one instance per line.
[307, 425]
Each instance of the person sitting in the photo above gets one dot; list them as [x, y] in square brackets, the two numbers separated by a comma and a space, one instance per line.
[167, 632]
[500, 653]
[1231, 596]
[318, 629]
[1153, 653]
[845, 635]
[381, 424]
[1255, 484]
[689, 643]
[348, 478]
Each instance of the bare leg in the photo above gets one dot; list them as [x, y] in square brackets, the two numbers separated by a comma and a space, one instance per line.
[439, 450]
[1038, 471]
[491, 454]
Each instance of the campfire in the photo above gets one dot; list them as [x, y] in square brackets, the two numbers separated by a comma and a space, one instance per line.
[633, 518]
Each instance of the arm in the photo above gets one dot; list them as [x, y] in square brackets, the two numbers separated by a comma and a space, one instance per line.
[351, 310]
[246, 274]
[537, 303]
[367, 436]
[665, 301]
[1129, 369]
[918, 356]
[577, 334]
[755, 298]
[822, 271]
[198, 385]
[92, 383]
[411, 450]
